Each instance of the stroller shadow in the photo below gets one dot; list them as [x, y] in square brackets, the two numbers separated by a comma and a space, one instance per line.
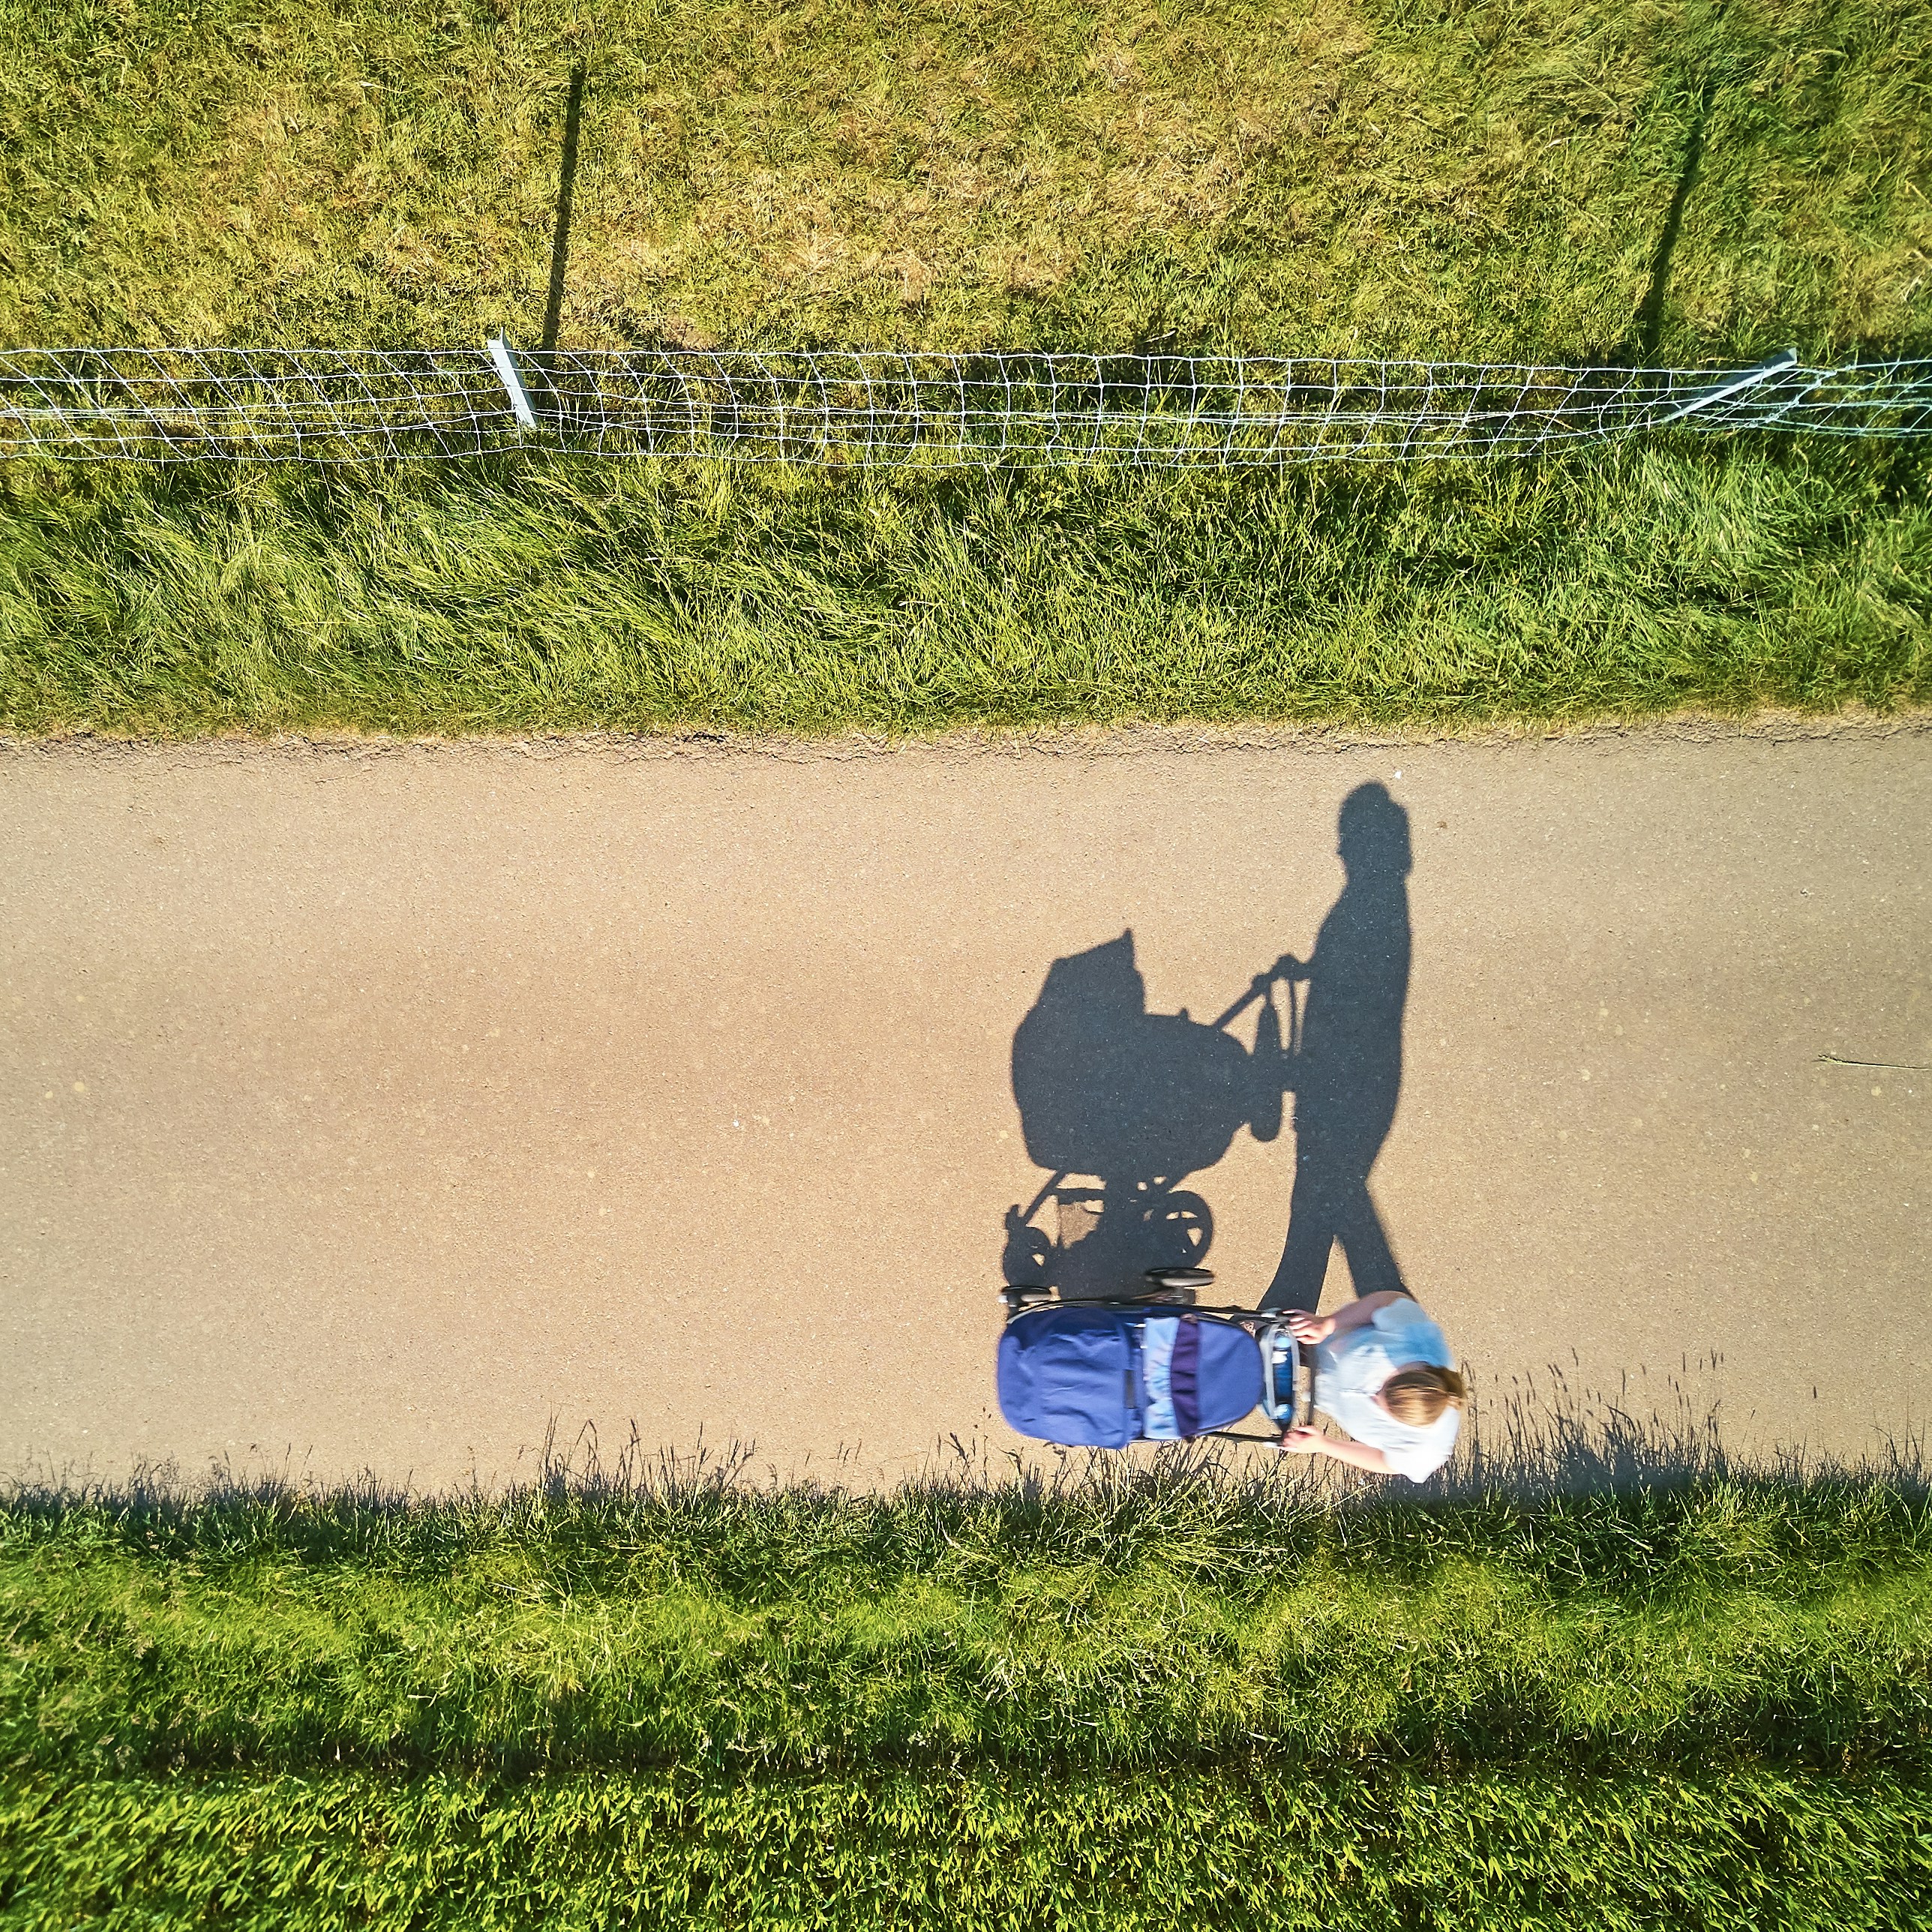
[1121, 1105]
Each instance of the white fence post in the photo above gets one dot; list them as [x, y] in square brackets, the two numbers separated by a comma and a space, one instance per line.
[1784, 359]
[499, 346]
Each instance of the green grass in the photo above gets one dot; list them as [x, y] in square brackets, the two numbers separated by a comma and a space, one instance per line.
[1494, 1852]
[1445, 180]
[1146, 1701]
[567, 595]
[1442, 179]
[1141, 1696]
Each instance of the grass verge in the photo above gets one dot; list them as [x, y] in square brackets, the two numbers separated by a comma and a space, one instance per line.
[1141, 1696]
[563, 595]
[1691, 180]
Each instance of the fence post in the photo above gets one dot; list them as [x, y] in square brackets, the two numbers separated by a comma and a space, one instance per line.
[1784, 359]
[499, 346]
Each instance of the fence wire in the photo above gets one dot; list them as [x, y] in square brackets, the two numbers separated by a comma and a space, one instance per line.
[882, 407]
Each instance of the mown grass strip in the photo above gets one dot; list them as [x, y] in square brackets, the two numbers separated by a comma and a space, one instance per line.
[564, 596]
[1444, 179]
[1745, 1850]
[1128, 1626]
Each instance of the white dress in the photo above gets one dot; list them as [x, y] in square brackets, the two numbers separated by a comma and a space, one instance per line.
[1349, 1369]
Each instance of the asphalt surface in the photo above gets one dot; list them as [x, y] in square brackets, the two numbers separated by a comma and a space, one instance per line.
[393, 1109]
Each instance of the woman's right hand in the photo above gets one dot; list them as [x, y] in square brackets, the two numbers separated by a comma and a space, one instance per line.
[1305, 1326]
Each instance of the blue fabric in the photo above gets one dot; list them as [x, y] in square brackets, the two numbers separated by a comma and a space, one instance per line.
[1067, 1375]
[1157, 1422]
[1076, 1376]
[1184, 1379]
[1227, 1375]
[1201, 1374]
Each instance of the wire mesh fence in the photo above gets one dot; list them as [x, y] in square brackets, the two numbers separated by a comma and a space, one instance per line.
[884, 407]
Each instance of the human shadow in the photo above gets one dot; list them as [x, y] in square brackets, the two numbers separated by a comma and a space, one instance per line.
[1347, 1073]
[1121, 1105]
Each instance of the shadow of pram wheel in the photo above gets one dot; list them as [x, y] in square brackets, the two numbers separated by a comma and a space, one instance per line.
[1176, 1229]
[1109, 1238]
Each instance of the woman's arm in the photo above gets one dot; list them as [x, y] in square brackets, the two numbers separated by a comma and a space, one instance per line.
[1363, 1309]
[1342, 1448]
[1320, 1327]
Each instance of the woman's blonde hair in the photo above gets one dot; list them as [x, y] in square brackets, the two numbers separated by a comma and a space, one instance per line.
[1418, 1395]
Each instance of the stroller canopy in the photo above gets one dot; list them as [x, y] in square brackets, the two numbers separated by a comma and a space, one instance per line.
[1079, 1376]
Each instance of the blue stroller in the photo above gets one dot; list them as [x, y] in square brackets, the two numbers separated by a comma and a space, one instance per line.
[1102, 1374]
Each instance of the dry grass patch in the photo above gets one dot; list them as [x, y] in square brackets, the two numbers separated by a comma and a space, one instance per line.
[1308, 174]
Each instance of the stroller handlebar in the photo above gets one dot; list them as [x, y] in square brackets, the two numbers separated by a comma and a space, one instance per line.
[1287, 967]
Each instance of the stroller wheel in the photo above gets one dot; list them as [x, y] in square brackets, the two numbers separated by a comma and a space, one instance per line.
[1181, 1277]
[1025, 1294]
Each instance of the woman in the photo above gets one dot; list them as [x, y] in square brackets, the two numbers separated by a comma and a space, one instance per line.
[1383, 1370]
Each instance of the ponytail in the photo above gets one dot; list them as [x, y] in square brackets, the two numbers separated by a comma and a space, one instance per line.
[1418, 1395]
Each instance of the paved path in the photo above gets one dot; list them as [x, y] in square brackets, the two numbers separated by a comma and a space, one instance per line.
[379, 1108]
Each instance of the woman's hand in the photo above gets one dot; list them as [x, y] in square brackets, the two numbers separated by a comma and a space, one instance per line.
[1343, 1448]
[1306, 1327]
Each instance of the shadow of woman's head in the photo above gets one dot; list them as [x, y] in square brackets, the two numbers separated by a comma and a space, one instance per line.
[1373, 836]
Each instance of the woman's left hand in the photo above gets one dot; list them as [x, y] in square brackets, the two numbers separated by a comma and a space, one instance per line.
[1302, 1441]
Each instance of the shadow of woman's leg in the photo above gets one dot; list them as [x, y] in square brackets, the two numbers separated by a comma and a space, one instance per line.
[1347, 1075]
[1365, 1242]
[1312, 1229]
[1331, 1203]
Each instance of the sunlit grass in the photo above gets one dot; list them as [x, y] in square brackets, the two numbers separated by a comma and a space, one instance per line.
[1320, 176]
[566, 595]
[1130, 1622]
[1734, 1849]
[969, 1705]
[1449, 180]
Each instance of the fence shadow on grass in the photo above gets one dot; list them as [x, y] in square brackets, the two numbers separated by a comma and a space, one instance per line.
[566, 190]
